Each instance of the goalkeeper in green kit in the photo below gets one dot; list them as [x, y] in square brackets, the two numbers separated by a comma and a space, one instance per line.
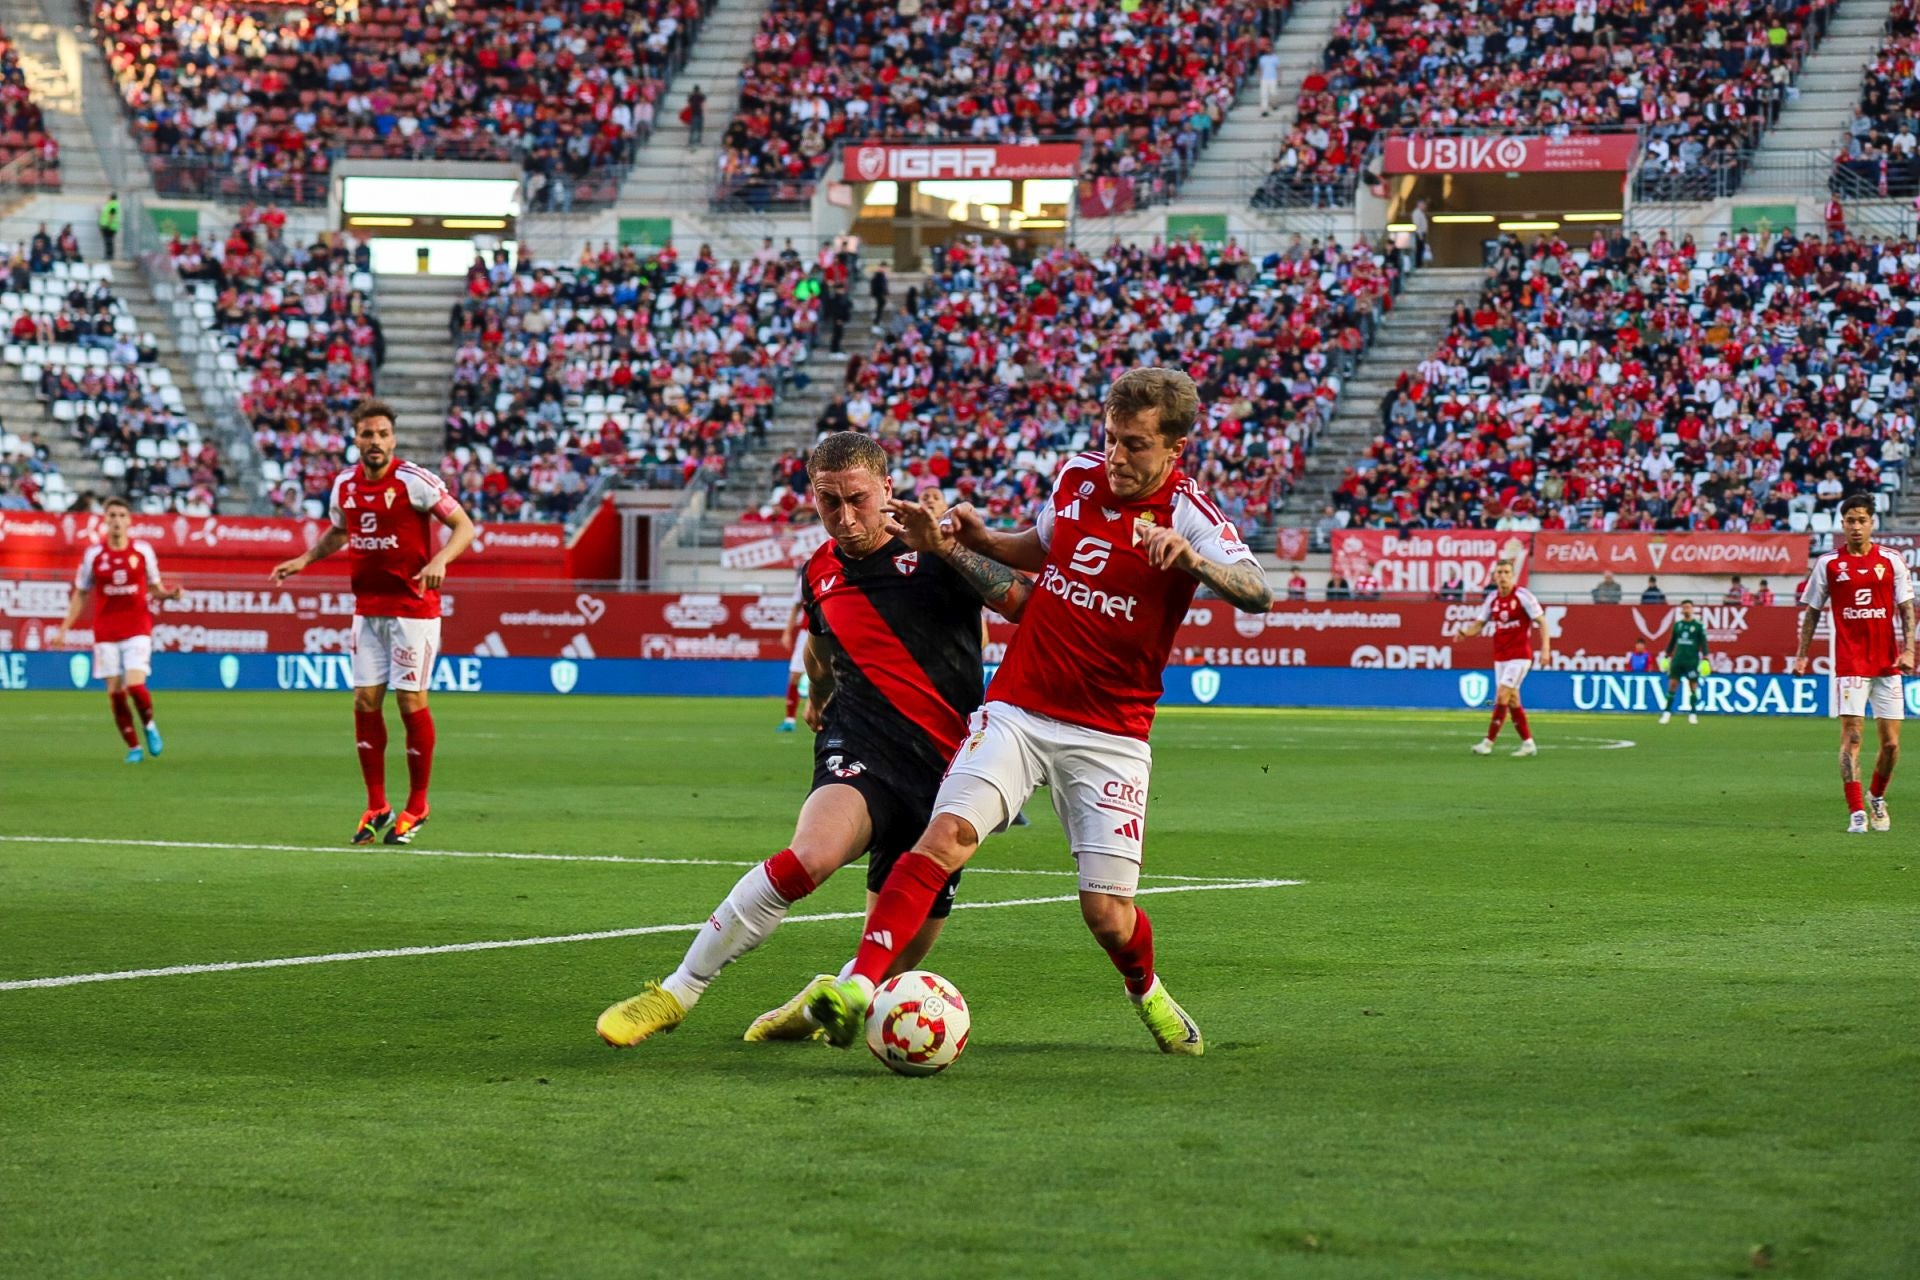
[1686, 658]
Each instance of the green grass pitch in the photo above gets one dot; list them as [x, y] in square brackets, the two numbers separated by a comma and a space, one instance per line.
[1618, 1011]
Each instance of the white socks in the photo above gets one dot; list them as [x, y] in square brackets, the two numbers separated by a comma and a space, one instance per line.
[745, 920]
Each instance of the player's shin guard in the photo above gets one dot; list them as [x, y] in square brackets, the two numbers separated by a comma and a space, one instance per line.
[370, 740]
[123, 718]
[1499, 718]
[419, 757]
[902, 907]
[1520, 722]
[747, 918]
[1134, 959]
[143, 701]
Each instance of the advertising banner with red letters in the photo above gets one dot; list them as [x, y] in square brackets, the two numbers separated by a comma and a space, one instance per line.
[1782, 557]
[303, 617]
[877, 163]
[1590, 153]
[1425, 560]
[760, 546]
[245, 544]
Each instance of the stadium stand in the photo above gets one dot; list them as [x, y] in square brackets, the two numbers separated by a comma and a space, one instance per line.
[29, 155]
[998, 375]
[1881, 150]
[1700, 81]
[79, 351]
[244, 102]
[1660, 385]
[1144, 89]
[648, 368]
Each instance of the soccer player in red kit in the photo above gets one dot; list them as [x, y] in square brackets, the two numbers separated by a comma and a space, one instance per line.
[1120, 547]
[1510, 612]
[125, 573]
[1867, 586]
[383, 511]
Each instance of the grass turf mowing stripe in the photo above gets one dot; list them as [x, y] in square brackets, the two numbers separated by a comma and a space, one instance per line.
[362, 851]
[390, 953]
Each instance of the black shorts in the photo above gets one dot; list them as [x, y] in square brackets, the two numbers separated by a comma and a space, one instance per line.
[898, 819]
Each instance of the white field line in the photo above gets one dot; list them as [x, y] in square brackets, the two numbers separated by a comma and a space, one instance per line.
[409, 851]
[390, 953]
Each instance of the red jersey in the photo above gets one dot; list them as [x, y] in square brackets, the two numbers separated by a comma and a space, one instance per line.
[1510, 620]
[121, 612]
[1095, 635]
[389, 528]
[1865, 592]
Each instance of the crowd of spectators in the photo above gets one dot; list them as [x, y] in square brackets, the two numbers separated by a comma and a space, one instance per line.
[1700, 80]
[23, 128]
[653, 368]
[1144, 85]
[1878, 155]
[241, 101]
[299, 337]
[1655, 385]
[989, 380]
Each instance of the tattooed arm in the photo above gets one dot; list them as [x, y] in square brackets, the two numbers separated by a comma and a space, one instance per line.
[1241, 583]
[1906, 627]
[1003, 590]
[1809, 620]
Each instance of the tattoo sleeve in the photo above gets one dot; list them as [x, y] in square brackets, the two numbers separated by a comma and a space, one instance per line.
[1240, 584]
[1906, 621]
[1809, 620]
[1004, 590]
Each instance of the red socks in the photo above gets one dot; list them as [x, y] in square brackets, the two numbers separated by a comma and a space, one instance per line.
[123, 717]
[788, 878]
[1135, 959]
[1499, 718]
[419, 757]
[793, 697]
[898, 913]
[1854, 803]
[1879, 783]
[143, 700]
[370, 738]
[1520, 721]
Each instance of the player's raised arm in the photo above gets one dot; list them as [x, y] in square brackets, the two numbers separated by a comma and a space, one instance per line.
[930, 526]
[1025, 550]
[1209, 549]
[455, 517]
[331, 541]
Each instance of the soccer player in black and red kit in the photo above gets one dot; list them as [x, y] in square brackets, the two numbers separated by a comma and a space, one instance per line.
[894, 663]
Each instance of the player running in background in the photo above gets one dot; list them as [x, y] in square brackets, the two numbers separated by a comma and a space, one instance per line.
[1867, 586]
[126, 574]
[1686, 651]
[795, 635]
[1510, 612]
[383, 511]
[893, 657]
[1121, 546]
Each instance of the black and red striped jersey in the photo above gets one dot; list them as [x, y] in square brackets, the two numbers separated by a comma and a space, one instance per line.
[906, 664]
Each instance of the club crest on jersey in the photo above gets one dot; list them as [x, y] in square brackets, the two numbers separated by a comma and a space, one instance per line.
[906, 563]
[852, 768]
[389, 497]
[1879, 570]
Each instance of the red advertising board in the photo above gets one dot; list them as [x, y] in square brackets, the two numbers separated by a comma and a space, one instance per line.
[1424, 560]
[1506, 153]
[759, 546]
[245, 544]
[549, 622]
[875, 163]
[1781, 556]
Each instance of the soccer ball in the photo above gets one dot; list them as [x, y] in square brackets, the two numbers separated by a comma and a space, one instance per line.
[917, 1023]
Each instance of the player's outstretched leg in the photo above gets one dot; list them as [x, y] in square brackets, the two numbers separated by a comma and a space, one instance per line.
[420, 740]
[370, 741]
[1527, 747]
[897, 916]
[1126, 933]
[143, 703]
[790, 1020]
[752, 911]
[123, 721]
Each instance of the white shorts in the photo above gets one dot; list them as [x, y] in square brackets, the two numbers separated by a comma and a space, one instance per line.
[1508, 675]
[1099, 784]
[395, 652]
[1852, 695]
[797, 665]
[118, 657]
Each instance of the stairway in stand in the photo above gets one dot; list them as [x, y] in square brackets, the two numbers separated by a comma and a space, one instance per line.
[418, 372]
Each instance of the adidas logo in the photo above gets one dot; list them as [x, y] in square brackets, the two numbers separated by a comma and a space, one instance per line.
[494, 646]
[880, 937]
[413, 751]
[578, 647]
[1071, 511]
[364, 746]
[1131, 829]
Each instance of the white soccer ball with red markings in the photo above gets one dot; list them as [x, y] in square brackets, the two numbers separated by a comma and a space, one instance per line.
[917, 1023]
